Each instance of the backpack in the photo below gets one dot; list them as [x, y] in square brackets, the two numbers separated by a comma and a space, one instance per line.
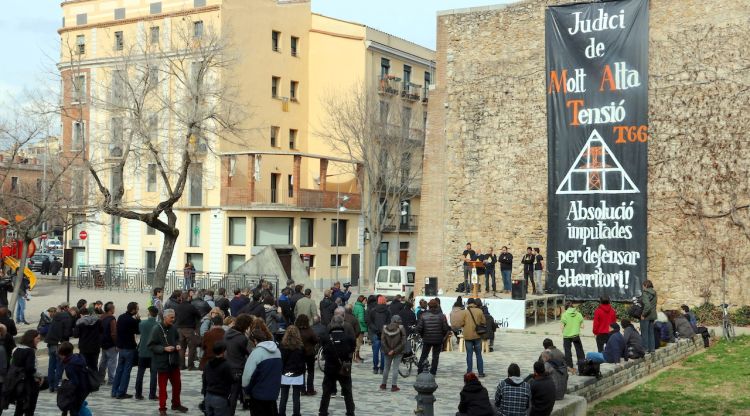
[636, 310]
[460, 288]
[13, 387]
[589, 368]
[92, 378]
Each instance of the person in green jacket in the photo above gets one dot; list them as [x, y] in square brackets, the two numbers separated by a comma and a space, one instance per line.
[648, 316]
[359, 312]
[144, 356]
[572, 323]
[166, 361]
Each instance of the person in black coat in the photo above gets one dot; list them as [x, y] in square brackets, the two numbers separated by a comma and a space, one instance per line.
[396, 305]
[377, 317]
[60, 331]
[187, 319]
[74, 367]
[293, 359]
[339, 349]
[25, 357]
[475, 401]
[9, 340]
[217, 382]
[236, 355]
[89, 331]
[200, 304]
[542, 392]
[408, 318]
[221, 301]
[327, 307]
[255, 308]
[433, 328]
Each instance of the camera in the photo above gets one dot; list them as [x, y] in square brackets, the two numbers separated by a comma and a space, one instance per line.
[347, 285]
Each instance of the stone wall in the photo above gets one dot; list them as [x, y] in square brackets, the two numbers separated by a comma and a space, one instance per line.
[485, 164]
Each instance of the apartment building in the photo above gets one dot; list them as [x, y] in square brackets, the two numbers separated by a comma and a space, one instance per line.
[274, 181]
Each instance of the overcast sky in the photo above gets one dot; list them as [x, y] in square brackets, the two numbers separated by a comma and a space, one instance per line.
[31, 43]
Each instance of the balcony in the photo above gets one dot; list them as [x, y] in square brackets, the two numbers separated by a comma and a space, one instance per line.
[425, 93]
[407, 223]
[389, 84]
[410, 91]
[279, 199]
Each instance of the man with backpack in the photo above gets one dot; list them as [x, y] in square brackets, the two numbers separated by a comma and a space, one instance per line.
[338, 357]
[76, 384]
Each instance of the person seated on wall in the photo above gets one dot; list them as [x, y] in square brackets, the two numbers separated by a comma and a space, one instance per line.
[633, 341]
[694, 323]
[682, 328]
[614, 349]
[666, 330]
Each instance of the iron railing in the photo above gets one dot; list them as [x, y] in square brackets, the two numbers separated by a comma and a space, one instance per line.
[410, 91]
[404, 223]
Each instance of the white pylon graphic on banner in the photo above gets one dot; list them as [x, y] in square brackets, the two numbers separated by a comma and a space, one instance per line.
[596, 171]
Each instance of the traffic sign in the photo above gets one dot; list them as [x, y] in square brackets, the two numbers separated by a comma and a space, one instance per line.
[83, 234]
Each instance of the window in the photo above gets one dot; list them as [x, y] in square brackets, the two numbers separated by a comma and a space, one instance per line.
[275, 87]
[293, 90]
[115, 257]
[153, 127]
[198, 29]
[154, 38]
[196, 184]
[274, 136]
[407, 74]
[14, 183]
[119, 41]
[336, 260]
[384, 109]
[114, 236]
[115, 145]
[196, 259]
[294, 44]
[234, 261]
[195, 230]
[275, 40]
[199, 3]
[117, 87]
[292, 138]
[152, 77]
[338, 234]
[290, 185]
[195, 72]
[151, 178]
[272, 231]
[150, 230]
[120, 13]
[395, 276]
[383, 274]
[385, 67]
[81, 44]
[79, 89]
[81, 19]
[275, 188]
[237, 231]
[427, 79]
[78, 131]
[156, 7]
[405, 122]
[410, 276]
[115, 185]
[306, 232]
[78, 187]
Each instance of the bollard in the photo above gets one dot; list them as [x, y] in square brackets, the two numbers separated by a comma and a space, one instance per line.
[425, 387]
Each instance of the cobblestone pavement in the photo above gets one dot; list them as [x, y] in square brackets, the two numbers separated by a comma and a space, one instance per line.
[369, 400]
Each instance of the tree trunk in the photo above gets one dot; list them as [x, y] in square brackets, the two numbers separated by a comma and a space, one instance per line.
[19, 277]
[167, 249]
[374, 246]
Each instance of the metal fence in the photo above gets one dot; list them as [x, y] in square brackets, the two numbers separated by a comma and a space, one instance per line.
[127, 279]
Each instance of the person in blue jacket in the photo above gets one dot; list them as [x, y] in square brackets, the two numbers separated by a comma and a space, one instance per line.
[614, 349]
[261, 377]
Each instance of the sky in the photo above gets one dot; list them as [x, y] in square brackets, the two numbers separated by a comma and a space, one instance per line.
[29, 30]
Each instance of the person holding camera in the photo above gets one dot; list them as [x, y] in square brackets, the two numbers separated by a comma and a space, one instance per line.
[337, 293]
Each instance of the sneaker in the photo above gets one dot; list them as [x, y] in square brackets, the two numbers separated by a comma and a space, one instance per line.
[482, 375]
[395, 389]
[139, 397]
[181, 409]
[124, 396]
[382, 387]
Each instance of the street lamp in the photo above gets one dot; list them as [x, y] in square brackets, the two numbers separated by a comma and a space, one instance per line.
[340, 201]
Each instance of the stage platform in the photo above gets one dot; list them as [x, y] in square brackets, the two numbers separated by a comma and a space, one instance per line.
[508, 312]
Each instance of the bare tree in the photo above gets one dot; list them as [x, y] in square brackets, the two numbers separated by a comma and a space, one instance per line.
[165, 106]
[383, 136]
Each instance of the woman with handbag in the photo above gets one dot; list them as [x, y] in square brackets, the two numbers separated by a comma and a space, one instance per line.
[293, 373]
[474, 328]
[24, 363]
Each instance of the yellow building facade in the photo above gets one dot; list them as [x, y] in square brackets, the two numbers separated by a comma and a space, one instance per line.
[276, 182]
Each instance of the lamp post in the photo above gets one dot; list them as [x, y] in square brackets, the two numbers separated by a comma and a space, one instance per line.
[340, 201]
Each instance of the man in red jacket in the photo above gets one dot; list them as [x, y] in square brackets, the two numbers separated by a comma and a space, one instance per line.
[604, 316]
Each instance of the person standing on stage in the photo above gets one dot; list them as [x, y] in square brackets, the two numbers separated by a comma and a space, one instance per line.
[528, 269]
[480, 269]
[538, 271]
[489, 270]
[506, 268]
[468, 255]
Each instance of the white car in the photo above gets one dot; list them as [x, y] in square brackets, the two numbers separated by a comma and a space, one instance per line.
[54, 244]
[394, 280]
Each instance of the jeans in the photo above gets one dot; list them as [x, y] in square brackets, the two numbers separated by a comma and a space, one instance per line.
[576, 341]
[173, 376]
[21, 310]
[529, 275]
[122, 375]
[187, 283]
[310, 374]
[108, 364]
[378, 356]
[144, 363]
[506, 279]
[436, 349]
[329, 385]
[391, 364]
[284, 397]
[647, 332]
[216, 405]
[601, 339]
[52, 370]
[474, 346]
[596, 357]
[467, 274]
[490, 271]
[538, 281]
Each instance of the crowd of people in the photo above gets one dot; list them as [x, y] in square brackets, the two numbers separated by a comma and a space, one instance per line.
[253, 349]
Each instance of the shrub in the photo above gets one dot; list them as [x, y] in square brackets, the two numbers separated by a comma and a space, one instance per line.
[587, 309]
[741, 316]
[708, 314]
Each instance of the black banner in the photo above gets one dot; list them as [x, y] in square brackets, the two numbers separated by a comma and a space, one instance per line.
[597, 132]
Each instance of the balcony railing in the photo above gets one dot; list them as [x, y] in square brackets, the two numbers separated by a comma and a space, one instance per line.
[305, 198]
[406, 223]
[389, 84]
[410, 91]
[425, 93]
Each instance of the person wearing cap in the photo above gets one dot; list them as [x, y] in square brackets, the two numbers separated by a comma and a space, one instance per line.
[614, 349]
[572, 323]
[393, 340]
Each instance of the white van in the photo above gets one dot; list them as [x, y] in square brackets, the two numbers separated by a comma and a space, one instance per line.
[395, 280]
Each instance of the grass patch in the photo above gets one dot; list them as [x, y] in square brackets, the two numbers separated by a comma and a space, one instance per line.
[712, 383]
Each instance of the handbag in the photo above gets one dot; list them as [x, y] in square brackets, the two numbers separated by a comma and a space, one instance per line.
[345, 369]
[480, 329]
[66, 394]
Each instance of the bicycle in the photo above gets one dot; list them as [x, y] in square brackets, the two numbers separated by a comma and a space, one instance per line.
[409, 361]
[726, 325]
